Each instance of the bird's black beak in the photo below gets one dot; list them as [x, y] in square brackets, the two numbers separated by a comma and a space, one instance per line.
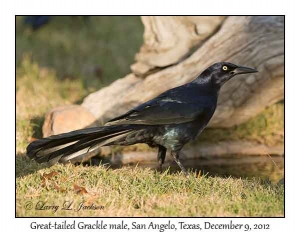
[244, 70]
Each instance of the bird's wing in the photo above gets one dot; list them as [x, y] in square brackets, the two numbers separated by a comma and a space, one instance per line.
[166, 110]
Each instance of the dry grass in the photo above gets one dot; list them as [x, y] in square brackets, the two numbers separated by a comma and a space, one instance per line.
[38, 91]
[143, 192]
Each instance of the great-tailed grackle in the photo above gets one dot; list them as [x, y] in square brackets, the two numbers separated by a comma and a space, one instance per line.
[168, 121]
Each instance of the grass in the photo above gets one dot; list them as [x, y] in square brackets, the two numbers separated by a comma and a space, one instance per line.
[96, 52]
[38, 91]
[65, 61]
[143, 192]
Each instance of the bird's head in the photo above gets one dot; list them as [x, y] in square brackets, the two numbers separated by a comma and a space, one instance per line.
[221, 72]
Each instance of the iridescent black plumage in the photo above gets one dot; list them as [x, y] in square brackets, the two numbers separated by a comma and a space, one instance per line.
[168, 121]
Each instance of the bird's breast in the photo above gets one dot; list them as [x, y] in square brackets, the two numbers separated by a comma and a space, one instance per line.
[176, 136]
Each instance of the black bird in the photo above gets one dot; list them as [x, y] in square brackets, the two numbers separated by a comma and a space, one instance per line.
[168, 121]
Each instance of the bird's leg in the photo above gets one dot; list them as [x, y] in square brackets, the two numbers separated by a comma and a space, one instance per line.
[175, 155]
[161, 156]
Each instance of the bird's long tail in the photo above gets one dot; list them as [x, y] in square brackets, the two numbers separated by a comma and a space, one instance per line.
[81, 144]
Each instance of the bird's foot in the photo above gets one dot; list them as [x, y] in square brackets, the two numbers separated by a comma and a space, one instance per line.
[160, 168]
[186, 174]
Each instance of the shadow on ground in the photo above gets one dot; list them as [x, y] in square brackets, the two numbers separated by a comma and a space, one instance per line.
[26, 166]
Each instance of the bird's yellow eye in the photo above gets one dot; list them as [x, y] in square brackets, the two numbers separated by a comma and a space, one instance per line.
[225, 68]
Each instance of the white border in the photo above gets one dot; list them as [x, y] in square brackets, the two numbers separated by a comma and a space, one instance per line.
[198, 7]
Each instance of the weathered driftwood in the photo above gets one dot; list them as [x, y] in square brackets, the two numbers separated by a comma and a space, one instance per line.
[169, 39]
[177, 49]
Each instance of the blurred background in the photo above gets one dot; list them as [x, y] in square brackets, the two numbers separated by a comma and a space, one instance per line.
[65, 59]
[62, 59]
